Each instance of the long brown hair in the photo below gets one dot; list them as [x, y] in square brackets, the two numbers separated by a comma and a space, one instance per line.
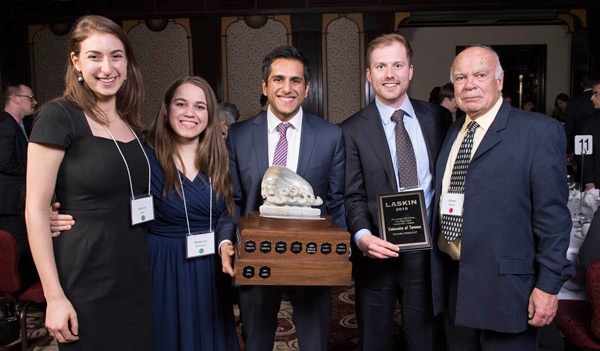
[211, 157]
[131, 94]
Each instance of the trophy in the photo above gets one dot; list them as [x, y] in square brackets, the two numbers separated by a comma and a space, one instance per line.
[289, 242]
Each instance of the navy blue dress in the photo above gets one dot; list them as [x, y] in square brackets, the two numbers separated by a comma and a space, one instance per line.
[192, 306]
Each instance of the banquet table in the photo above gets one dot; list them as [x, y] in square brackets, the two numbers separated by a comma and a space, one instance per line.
[574, 289]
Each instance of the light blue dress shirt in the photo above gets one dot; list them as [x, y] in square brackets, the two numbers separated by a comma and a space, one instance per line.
[418, 143]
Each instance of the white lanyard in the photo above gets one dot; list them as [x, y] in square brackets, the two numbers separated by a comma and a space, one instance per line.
[187, 220]
[125, 161]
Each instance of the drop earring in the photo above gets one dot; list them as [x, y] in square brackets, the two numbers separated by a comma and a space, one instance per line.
[80, 79]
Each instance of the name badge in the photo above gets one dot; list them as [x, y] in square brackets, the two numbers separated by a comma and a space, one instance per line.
[200, 244]
[142, 209]
[452, 204]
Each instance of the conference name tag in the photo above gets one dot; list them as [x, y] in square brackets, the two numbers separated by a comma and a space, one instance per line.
[142, 209]
[200, 244]
[452, 204]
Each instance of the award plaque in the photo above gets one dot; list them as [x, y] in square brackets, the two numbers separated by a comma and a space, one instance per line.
[280, 251]
[403, 220]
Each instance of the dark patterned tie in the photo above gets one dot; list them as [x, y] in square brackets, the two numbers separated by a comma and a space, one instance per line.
[451, 224]
[280, 156]
[405, 155]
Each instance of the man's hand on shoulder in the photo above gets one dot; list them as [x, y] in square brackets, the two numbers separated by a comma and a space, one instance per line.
[374, 247]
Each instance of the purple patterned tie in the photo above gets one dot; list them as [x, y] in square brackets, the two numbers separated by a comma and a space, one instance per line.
[280, 157]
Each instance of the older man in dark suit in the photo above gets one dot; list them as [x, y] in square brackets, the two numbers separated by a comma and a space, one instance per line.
[18, 103]
[384, 274]
[504, 218]
[315, 151]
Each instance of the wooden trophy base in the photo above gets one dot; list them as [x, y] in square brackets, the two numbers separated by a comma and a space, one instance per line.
[277, 251]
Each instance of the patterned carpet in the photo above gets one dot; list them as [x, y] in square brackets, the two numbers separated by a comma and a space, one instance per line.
[343, 334]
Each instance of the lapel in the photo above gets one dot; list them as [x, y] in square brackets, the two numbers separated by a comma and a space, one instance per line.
[372, 127]
[260, 141]
[426, 122]
[307, 144]
[19, 132]
[492, 137]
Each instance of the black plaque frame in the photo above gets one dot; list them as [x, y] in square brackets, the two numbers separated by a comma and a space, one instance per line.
[403, 220]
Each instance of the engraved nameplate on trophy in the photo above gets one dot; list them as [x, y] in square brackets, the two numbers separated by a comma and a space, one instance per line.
[294, 240]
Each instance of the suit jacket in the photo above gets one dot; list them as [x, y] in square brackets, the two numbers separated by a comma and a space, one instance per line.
[591, 166]
[370, 172]
[321, 163]
[578, 110]
[516, 223]
[13, 160]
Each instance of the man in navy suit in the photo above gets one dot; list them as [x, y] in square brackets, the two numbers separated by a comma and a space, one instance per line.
[508, 261]
[579, 109]
[591, 126]
[316, 153]
[384, 274]
[18, 103]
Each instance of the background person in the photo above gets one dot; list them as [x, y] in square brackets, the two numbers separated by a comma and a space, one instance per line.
[580, 107]
[560, 107]
[264, 102]
[448, 101]
[228, 115]
[18, 103]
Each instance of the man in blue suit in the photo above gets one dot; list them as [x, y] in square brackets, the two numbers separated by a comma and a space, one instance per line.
[504, 218]
[316, 153]
[384, 274]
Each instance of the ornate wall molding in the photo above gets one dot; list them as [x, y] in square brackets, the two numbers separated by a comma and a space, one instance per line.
[343, 65]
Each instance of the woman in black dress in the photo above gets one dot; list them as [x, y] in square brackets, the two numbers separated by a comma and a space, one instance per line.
[85, 150]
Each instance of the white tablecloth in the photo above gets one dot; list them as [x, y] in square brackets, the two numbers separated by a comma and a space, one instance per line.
[574, 289]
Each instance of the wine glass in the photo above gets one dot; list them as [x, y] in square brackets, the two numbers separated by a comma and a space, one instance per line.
[581, 218]
[571, 181]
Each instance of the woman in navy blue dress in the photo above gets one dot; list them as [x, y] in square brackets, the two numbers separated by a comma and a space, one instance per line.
[191, 184]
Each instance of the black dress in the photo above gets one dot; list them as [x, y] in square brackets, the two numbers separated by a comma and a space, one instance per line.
[102, 262]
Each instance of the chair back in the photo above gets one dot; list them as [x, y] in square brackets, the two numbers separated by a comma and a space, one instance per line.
[10, 280]
[592, 280]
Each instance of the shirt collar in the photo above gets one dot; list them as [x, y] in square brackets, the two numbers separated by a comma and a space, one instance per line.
[385, 111]
[485, 120]
[273, 121]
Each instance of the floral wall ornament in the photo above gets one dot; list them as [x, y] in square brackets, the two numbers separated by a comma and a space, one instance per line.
[256, 21]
